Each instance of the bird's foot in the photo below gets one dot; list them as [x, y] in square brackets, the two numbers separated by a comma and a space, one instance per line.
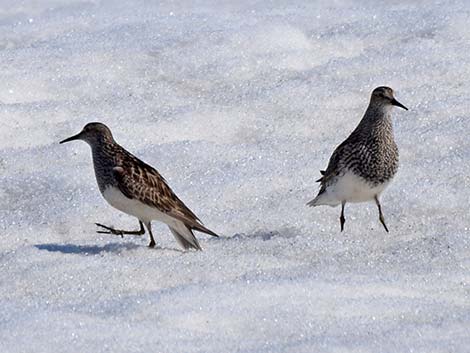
[382, 220]
[110, 230]
[342, 221]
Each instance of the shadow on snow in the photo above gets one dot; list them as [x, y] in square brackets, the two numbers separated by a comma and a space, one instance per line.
[86, 249]
[265, 235]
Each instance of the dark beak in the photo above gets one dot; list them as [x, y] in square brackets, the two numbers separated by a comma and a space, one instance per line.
[71, 138]
[398, 104]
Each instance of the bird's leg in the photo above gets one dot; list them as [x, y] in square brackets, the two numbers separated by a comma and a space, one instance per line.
[121, 232]
[381, 216]
[341, 218]
[149, 228]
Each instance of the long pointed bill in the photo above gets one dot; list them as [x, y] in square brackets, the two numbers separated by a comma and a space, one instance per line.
[398, 104]
[71, 138]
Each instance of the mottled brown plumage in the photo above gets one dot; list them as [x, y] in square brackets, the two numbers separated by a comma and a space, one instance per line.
[136, 188]
[361, 167]
[138, 180]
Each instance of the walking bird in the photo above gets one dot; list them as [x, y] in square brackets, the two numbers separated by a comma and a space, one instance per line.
[364, 164]
[136, 188]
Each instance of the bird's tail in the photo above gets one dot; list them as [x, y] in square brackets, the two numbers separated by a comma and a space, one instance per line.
[200, 228]
[323, 198]
[312, 203]
[185, 237]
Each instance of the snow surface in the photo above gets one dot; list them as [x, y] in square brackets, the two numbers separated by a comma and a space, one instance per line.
[239, 104]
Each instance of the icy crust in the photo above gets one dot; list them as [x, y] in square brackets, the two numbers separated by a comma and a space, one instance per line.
[239, 105]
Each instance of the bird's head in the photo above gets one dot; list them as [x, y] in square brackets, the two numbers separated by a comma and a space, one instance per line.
[383, 96]
[92, 133]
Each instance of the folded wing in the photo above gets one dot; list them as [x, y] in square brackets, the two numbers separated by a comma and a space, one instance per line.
[145, 184]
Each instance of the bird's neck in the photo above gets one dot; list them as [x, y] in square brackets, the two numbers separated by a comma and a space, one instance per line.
[104, 160]
[104, 150]
[378, 117]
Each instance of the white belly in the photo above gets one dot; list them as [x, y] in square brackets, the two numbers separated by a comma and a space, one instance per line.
[349, 188]
[134, 207]
[352, 188]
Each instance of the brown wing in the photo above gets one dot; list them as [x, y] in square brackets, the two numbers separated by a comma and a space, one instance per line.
[140, 181]
[343, 156]
[333, 164]
[339, 155]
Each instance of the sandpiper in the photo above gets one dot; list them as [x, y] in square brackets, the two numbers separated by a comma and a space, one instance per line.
[364, 164]
[135, 188]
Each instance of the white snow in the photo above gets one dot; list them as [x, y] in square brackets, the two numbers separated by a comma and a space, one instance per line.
[239, 104]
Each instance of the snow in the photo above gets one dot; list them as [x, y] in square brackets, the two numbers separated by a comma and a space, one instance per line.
[238, 104]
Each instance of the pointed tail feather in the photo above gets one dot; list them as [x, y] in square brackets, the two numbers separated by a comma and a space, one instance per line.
[203, 229]
[324, 199]
[192, 223]
[313, 203]
[185, 237]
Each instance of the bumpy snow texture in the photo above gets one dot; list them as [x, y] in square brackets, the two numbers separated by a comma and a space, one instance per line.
[238, 104]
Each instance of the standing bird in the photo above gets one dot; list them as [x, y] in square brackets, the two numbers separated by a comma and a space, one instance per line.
[135, 188]
[365, 163]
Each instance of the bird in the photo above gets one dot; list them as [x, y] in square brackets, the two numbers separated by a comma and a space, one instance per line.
[134, 187]
[364, 164]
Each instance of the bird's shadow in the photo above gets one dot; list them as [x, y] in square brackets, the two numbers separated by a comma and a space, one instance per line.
[265, 235]
[86, 249]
